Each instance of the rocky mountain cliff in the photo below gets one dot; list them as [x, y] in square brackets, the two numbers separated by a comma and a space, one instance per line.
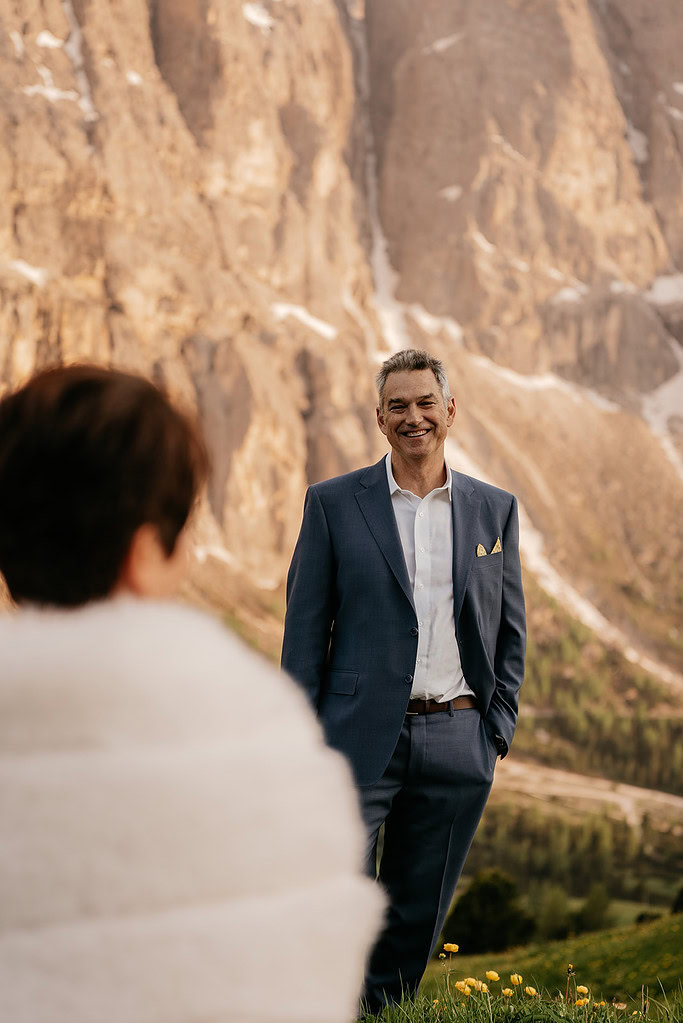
[256, 202]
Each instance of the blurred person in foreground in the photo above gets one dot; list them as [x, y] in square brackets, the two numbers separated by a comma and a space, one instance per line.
[405, 625]
[178, 843]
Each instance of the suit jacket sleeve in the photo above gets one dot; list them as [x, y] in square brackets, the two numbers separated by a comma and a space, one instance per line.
[510, 647]
[310, 601]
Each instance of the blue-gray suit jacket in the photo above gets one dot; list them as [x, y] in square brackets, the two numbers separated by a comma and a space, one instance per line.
[351, 628]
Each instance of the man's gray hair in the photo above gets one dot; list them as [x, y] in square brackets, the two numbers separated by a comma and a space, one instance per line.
[411, 359]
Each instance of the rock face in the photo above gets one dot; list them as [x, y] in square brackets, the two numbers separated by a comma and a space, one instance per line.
[180, 204]
[527, 210]
[206, 192]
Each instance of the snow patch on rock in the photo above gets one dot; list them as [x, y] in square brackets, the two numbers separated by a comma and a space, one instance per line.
[18, 44]
[451, 193]
[433, 325]
[390, 311]
[521, 265]
[220, 553]
[443, 44]
[622, 288]
[36, 274]
[666, 290]
[48, 89]
[546, 382]
[257, 15]
[46, 40]
[569, 295]
[73, 48]
[483, 243]
[281, 310]
[513, 153]
[638, 141]
[355, 311]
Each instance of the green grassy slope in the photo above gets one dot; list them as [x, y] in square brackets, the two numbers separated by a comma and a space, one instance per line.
[613, 963]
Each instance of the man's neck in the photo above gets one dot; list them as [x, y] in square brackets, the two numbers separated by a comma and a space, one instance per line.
[419, 477]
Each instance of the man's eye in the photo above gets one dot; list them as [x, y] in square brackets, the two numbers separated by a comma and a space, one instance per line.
[426, 404]
[397, 408]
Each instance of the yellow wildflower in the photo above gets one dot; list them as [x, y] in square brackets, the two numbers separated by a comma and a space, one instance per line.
[570, 967]
[507, 991]
[492, 975]
[435, 1002]
[451, 947]
[581, 989]
[602, 1004]
[473, 982]
[462, 986]
[442, 955]
[531, 991]
[485, 988]
[516, 978]
[581, 1001]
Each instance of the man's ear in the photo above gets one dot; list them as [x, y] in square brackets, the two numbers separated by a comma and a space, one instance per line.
[148, 571]
[450, 411]
[380, 420]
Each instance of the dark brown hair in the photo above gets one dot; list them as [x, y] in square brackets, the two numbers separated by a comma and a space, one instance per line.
[87, 456]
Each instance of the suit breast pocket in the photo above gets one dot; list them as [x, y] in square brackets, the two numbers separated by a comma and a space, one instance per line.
[342, 682]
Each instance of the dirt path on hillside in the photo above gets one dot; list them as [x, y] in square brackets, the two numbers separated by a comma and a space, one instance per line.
[580, 791]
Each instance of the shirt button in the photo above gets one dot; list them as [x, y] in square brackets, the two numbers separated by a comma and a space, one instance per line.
[422, 515]
[413, 631]
[420, 586]
[422, 550]
[408, 679]
[419, 660]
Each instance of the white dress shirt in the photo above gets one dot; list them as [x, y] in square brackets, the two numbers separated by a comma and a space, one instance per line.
[425, 526]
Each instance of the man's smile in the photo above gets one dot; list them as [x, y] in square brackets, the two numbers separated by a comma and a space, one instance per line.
[415, 433]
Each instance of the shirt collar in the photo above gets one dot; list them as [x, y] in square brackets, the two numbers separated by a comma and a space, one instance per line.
[394, 487]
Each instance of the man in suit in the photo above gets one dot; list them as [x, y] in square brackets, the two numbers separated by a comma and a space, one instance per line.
[405, 625]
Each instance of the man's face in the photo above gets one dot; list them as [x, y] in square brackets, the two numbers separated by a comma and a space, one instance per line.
[414, 418]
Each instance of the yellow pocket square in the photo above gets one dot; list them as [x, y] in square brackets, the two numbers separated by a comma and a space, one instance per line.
[496, 549]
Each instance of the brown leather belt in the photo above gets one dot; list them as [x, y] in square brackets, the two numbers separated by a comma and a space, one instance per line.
[433, 706]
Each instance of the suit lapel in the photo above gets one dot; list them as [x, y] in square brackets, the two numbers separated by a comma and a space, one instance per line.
[375, 504]
[465, 508]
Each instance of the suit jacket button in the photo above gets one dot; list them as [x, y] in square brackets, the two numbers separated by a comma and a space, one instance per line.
[413, 631]
[408, 679]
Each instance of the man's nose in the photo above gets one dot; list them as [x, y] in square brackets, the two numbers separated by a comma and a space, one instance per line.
[414, 415]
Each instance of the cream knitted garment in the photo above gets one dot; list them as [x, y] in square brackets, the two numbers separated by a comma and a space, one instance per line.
[177, 845]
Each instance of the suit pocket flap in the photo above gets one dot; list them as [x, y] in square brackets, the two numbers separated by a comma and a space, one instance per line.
[491, 562]
[342, 682]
